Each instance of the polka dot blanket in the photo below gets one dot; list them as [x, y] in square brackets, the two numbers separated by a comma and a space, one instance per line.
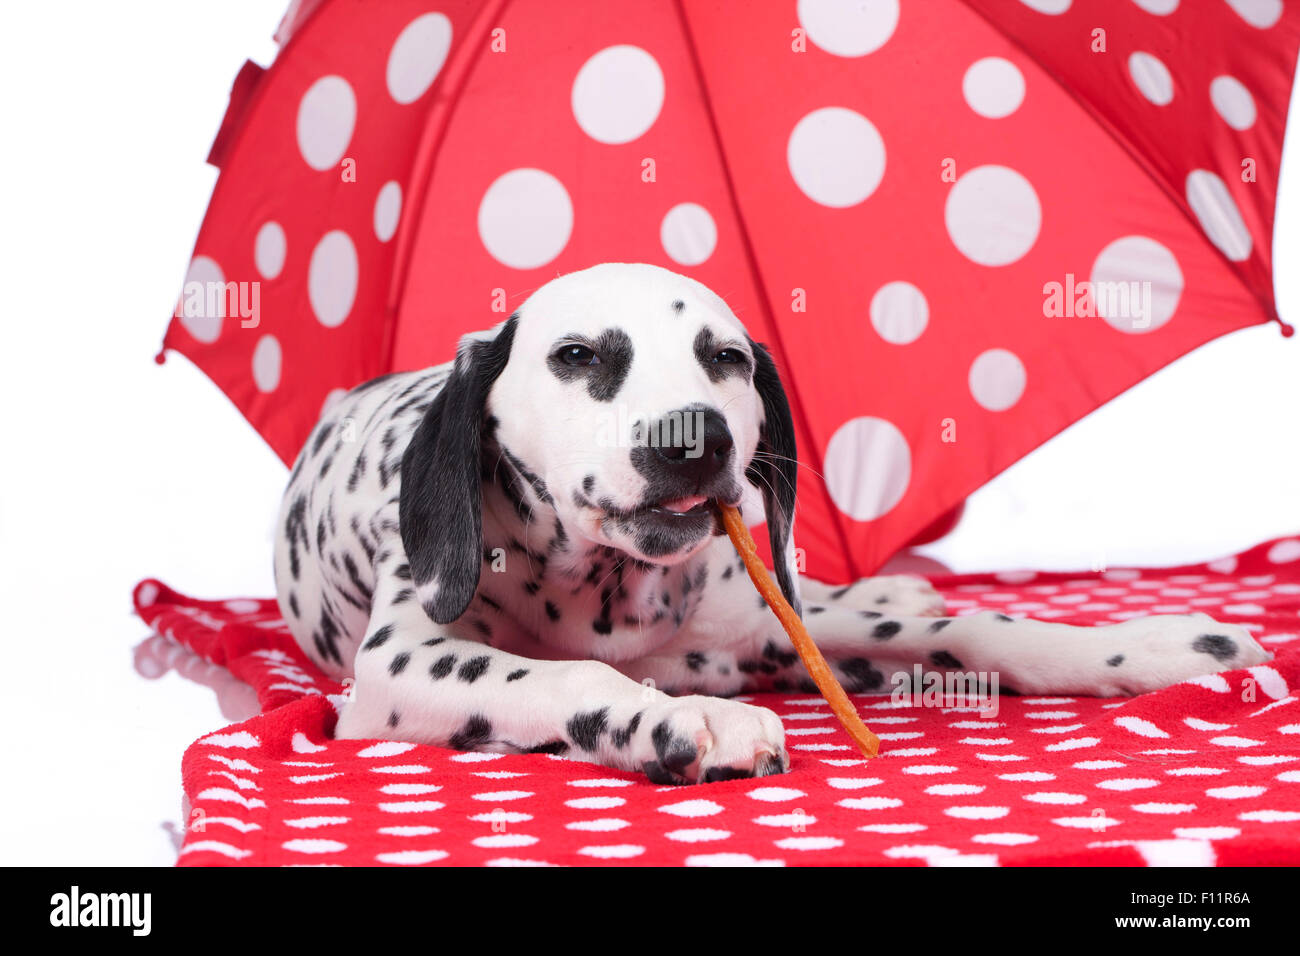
[1206, 772]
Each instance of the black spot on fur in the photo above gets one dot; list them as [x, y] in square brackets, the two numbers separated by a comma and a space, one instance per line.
[442, 666]
[393, 719]
[585, 729]
[1002, 617]
[473, 669]
[939, 625]
[886, 629]
[1218, 646]
[399, 663]
[515, 675]
[605, 378]
[1115, 661]
[862, 676]
[551, 747]
[622, 735]
[695, 660]
[945, 659]
[378, 638]
[552, 611]
[433, 641]
[870, 615]
[675, 753]
[476, 732]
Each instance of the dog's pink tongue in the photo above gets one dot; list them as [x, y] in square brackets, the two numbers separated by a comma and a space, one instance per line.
[682, 505]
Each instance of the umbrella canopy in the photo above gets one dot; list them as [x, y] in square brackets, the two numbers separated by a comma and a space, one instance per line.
[960, 226]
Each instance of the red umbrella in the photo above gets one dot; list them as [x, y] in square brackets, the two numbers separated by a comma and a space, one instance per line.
[960, 226]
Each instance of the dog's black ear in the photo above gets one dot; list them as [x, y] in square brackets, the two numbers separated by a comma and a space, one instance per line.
[440, 510]
[774, 470]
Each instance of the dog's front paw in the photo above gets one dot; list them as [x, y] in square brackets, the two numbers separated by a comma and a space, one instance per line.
[702, 739]
[1149, 653]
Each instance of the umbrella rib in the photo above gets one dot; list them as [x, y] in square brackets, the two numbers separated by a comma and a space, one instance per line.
[1265, 303]
[751, 261]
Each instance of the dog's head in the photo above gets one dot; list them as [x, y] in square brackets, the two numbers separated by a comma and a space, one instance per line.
[626, 400]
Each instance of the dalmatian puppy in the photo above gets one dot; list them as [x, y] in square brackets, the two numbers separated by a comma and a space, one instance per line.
[518, 551]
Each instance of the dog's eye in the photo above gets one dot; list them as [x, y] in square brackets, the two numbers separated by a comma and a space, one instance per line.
[728, 357]
[578, 355]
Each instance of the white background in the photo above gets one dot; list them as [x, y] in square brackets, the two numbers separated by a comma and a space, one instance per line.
[115, 468]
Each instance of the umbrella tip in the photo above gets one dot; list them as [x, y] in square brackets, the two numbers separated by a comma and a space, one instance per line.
[1287, 330]
[161, 357]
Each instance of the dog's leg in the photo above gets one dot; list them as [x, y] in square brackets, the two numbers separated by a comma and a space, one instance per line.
[891, 594]
[419, 681]
[1030, 657]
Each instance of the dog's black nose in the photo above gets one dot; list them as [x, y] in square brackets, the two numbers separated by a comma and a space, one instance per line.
[692, 445]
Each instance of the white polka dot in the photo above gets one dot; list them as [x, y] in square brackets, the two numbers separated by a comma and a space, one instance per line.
[1128, 783]
[1053, 7]
[870, 803]
[1210, 200]
[893, 828]
[1056, 798]
[334, 395]
[1151, 77]
[992, 215]
[266, 363]
[1004, 839]
[332, 278]
[997, 380]
[388, 210]
[775, 794]
[269, 249]
[836, 157]
[205, 323]
[601, 825]
[617, 94]
[412, 857]
[621, 851]
[849, 29]
[1164, 808]
[688, 234]
[1260, 14]
[314, 846]
[525, 218]
[1235, 793]
[1285, 552]
[977, 813]
[1206, 833]
[993, 87]
[729, 859]
[697, 835]
[327, 115]
[147, 594]
[595, 803]
[1270, 816]
[810, 843]
[899, 312]
[1161, 8]
[853, 783]
[1140, 726]
[417, 56]
[500, 795]
[692, 808]
[1136, 284]
[868, 465]
[1233, 102]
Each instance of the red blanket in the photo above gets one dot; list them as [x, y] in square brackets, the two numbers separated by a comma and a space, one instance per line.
[1205, 772]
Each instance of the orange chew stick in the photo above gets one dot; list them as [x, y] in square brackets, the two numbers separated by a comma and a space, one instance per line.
[812, 658]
